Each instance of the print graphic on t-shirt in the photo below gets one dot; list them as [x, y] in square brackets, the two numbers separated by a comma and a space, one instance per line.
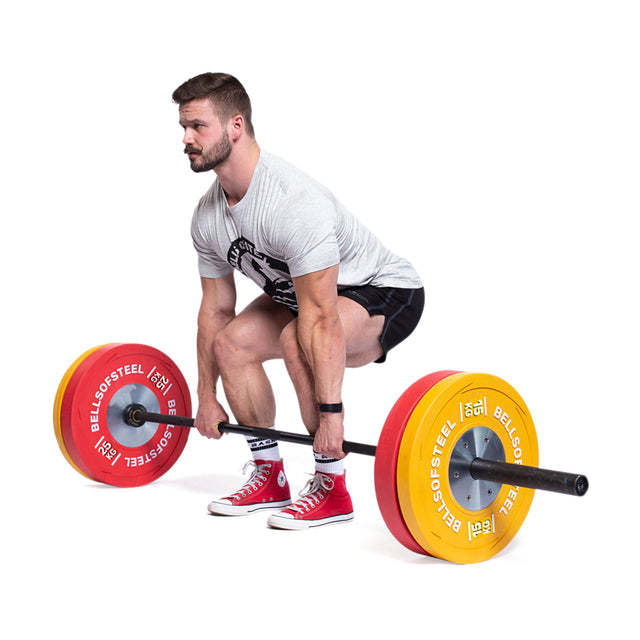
[270, 274]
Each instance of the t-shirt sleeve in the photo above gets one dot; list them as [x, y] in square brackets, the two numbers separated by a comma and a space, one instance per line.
[307, 235]
[210, 264]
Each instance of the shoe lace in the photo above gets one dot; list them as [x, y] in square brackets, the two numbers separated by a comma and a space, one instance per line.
[315, 490]
[258, 476]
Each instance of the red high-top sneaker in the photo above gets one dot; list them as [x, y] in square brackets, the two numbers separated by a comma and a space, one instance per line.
[266, 489]
[324, 500]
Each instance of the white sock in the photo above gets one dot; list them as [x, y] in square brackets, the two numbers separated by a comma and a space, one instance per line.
[263, 448]
[328, 465]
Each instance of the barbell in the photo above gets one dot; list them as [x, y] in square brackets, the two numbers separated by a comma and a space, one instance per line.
[455, 465]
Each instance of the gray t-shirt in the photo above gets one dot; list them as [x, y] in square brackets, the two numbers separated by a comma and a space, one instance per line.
[289, 225]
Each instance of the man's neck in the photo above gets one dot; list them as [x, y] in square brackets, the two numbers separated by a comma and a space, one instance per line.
[234, 175]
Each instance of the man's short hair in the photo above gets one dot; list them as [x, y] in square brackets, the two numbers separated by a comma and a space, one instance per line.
[227, 95]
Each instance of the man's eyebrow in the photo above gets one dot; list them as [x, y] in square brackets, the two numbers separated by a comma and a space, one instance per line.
[185, 121]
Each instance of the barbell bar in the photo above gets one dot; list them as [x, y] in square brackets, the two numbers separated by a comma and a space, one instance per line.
[456, 463]
[135, 415]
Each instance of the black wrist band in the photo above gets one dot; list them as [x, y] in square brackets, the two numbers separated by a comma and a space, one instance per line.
[329, 408]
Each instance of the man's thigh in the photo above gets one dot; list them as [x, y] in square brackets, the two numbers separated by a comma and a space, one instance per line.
[394, 314]
[361, 332]
[258, 326]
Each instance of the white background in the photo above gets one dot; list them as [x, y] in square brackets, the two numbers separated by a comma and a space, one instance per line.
[494, 144]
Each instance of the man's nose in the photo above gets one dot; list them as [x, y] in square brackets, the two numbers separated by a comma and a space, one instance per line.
[188, 137]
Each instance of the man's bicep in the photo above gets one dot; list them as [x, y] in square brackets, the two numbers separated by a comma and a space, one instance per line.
[318, 289]
[218, 295]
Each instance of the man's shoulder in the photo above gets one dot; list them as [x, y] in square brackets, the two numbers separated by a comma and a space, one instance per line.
[294, 184]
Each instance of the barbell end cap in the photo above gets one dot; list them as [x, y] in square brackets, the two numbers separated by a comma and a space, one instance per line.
[131, 415]
[581, 485]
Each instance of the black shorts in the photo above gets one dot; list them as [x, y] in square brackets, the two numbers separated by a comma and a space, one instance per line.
[401, 309]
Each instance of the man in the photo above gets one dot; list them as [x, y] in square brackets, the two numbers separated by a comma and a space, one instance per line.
[334, 297]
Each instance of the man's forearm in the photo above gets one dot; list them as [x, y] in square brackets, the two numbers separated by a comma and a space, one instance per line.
[322, 340]
[208, 372]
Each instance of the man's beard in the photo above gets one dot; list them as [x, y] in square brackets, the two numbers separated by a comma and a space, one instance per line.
[214, 157]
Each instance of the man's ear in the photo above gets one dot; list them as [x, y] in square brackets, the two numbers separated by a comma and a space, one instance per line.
[235, 127]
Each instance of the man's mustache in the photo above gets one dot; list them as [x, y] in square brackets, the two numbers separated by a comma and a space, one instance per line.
[190, 149]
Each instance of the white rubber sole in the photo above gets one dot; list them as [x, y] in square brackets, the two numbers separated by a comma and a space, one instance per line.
[280, 521]
[220, 508]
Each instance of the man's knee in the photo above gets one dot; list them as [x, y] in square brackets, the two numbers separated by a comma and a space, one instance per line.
[232, 345]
